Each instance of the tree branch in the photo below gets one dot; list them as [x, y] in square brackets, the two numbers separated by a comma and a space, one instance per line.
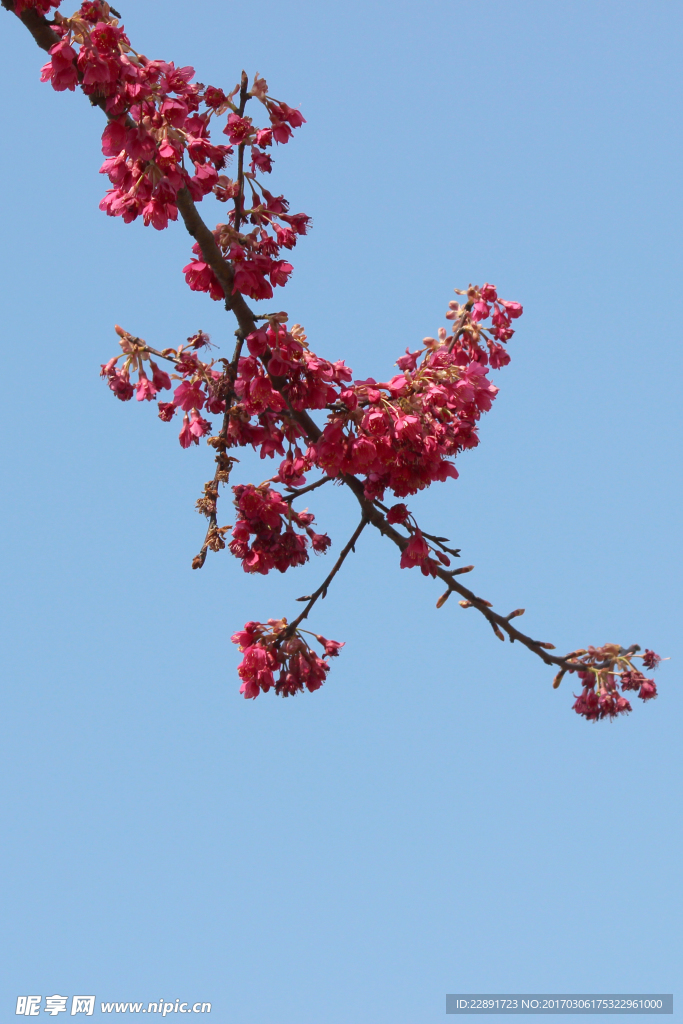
[296, 493]
[322, 589]
[497, 622]
[39, 27]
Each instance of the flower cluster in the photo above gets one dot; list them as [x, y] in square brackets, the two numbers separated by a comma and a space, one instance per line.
[401, 435]
[397, 435]
[609, 672]
[276, 647]
[305, 381]
[154, 114]
[253, 255]
[199, 386]
[159, 126]
[265, 516]
[39, 6]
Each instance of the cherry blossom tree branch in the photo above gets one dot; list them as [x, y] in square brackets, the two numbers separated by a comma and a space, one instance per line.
[236, 303]
[499, 623]
[212, 255]
[41, 30]
[309, 487]
[397, 435]
[239, 198]
[209, 503]
[321, 592]
[246, 319]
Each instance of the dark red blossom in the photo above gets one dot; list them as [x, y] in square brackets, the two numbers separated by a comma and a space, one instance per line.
[166, 411]
[651, 660]
[238, 128]
[274, 647]
[397, 514]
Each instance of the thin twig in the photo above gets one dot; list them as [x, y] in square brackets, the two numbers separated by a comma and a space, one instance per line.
[457, 327]
[239, 198]
[322, 589]
[221, 446]
[309, 487]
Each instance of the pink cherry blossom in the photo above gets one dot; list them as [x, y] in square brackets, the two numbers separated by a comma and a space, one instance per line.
[514, 309]
[189, 395]
[145, 390]
[186, 437]
[160, 379]
[61, 70]
[416, 551]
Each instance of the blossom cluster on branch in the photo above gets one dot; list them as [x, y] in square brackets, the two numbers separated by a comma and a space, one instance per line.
[274, 647]
[397, 435]
[607, 673]
[158, 141]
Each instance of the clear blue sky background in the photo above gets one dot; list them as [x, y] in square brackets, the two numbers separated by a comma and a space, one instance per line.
[436, 819]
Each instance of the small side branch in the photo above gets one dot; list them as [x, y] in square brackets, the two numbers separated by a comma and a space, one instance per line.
[296, 493]
[458, 327]
[322, 589]
[239, 199]
[501, 625]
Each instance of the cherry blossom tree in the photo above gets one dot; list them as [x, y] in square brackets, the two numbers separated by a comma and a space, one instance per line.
[302, 412]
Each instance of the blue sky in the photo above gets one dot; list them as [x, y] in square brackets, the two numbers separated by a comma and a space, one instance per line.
[436, 819]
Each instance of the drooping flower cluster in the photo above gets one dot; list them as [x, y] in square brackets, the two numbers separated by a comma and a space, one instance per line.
[276, 647]
[199, 386]
[609, 673]
[159, 125]
[254, 255]
[154, 117]
[263, 515]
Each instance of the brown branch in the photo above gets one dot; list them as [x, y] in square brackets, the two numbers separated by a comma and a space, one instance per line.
[220, 443]
[39, 27]
[296, 493]
[440, 541]
[239, 198]
[457, 327]
[322, 589]
[496, 621]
